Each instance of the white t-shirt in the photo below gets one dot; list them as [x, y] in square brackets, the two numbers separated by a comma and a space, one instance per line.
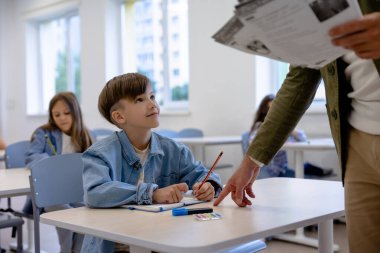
[365, 81]
[67, 145]
[142, 154]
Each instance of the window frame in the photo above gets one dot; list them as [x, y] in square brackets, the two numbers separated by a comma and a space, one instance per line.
[34, 70]
[267, 82]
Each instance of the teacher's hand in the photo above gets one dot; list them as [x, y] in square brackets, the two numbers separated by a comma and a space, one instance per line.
[240, 184]
[361, 36]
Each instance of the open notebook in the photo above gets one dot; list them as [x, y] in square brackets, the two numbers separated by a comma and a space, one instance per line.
[186, 201]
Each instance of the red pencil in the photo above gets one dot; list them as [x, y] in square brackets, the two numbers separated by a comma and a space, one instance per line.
[212, 168]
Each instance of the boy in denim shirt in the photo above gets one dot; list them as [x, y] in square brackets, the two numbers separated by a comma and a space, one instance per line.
[136, 165]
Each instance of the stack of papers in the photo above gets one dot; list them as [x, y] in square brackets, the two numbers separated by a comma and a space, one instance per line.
[286, 30]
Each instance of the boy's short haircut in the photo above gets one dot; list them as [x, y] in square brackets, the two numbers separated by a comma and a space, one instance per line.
[126, 86]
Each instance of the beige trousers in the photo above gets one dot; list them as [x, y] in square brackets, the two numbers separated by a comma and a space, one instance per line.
[362, 192]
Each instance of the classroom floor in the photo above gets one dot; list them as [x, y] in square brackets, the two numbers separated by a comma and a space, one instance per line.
[49, 240]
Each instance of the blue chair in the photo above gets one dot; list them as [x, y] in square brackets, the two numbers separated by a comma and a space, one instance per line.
[190, 133]
[56, 180]
[15, 154]
[100, 133]
[250, 247]
[167, 133]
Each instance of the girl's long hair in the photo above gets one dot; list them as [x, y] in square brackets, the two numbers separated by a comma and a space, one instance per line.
[80, 135]
[261, 112]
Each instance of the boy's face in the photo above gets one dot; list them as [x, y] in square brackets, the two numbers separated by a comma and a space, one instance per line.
[139, 113]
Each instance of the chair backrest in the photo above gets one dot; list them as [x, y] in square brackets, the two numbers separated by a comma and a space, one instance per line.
[56, 180]
[15, 154]
[190, 132]
[167, 133]
[245, 141]
[100, 133]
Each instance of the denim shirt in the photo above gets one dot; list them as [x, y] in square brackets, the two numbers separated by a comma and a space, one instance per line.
[112, 169]
[39, 147]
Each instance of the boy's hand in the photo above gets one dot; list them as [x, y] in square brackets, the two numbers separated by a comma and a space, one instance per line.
[206, 193]
[170, 194]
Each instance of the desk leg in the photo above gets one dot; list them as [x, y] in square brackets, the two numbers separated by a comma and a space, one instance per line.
[298, 160]
[326, 237]
[137, 249]
[300, 237]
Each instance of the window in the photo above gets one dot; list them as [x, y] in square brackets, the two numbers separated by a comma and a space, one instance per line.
[56, 61]
[270, 75]
[283, 68]
[155, 43]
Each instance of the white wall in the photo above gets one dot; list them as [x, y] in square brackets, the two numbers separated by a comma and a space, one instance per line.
[222, 80]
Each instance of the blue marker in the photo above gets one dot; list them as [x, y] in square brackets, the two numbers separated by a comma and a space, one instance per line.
[187, 211]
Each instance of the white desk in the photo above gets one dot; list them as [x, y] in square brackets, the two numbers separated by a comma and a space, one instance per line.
[15, 182]
[198, 144]
[281, 204]
[299, 148]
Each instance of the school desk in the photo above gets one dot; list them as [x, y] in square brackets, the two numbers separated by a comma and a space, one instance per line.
[15, 182]
[281, 204]
[325, 144]
[198, 144]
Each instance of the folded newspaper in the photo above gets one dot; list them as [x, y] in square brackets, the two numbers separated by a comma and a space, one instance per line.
[292, 31]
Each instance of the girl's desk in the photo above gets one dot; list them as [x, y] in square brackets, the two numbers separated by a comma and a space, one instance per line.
[281, 204]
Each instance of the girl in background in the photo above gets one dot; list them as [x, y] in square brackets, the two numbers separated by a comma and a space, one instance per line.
[278, 167]
[64, 133]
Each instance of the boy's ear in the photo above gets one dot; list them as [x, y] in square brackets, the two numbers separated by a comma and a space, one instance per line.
[118, 117]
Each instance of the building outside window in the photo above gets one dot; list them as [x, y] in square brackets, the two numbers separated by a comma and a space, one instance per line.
[155, 43]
